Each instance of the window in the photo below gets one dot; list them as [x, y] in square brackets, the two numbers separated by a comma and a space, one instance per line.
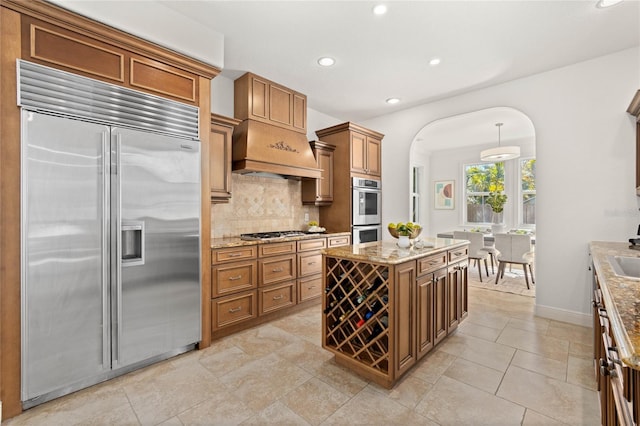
[416, 176]
[528, 191]
[480, 179]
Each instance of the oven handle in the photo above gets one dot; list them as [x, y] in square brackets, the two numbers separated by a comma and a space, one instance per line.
[362, 189]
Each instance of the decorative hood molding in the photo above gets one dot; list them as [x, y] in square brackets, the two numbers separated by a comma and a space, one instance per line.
[261, 147]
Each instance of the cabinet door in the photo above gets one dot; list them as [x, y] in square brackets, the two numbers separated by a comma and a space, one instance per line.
[453, 317]
[299, 112]
[320, 191]
[440, 306]
[373, 157]
[405, 317]
[325, 183]
[462, 284]
[358, 153]
[220, 162]
[280, 105]
[424, 311]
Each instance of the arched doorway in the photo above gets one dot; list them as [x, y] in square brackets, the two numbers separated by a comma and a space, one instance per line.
[446, 154]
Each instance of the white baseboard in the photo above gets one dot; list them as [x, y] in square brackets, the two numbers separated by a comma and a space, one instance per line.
[563, 315]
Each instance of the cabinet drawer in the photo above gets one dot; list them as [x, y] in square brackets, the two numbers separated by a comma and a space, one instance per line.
[309, 264]
[457, 254]
[276, 269]
[277, 297]
[344, 240]
[232, 277]
[275, 249]
[309, 288]
[431, 263]
[307, 245]
[233, 254]
[232, 309]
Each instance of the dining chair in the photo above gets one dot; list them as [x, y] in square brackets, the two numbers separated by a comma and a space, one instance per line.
[490, 247]
[476, 248]
[515, 249]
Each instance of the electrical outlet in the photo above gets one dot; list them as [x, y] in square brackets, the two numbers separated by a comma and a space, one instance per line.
[306, 217]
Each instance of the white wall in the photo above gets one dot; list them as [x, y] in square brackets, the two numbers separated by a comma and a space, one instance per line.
[585, 149]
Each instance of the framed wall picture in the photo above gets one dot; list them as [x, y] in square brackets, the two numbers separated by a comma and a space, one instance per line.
[444, 194]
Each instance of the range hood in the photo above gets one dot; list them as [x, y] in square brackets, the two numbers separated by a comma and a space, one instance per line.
[261, 147]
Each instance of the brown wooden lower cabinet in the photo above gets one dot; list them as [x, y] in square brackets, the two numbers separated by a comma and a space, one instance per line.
[277, 297]
[255, 283]
[233, 309]
[380, 319]
[618, 385]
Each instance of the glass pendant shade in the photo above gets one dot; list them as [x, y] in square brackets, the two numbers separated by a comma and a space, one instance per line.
[500, 153]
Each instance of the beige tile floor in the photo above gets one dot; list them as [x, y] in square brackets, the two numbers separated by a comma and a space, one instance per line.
[503, 366]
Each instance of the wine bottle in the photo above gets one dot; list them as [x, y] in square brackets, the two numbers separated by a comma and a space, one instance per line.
[376, 283]
[342, 318]
[375, 307]
[378, 328]
[362, 297]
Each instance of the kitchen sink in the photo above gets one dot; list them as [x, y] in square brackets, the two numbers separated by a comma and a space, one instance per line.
[625, 266]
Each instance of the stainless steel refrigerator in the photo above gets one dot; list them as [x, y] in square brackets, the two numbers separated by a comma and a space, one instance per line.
[110, 249]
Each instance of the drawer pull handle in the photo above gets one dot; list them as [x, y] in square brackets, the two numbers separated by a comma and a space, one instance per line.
[235, 278]
[309, 288]
[311, 263]
[234, 310]
[278, 297]
[235, 254]
[277, 270]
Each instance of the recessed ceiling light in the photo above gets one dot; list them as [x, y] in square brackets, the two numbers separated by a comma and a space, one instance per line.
[434, 61]
[380, 9]
[326, 61]
[607, 3]
[393, 101]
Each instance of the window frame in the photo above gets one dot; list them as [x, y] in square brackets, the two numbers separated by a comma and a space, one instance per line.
[484, 194]
[522, 192]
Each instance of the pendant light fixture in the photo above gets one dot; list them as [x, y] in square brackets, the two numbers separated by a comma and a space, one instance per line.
[501, 152]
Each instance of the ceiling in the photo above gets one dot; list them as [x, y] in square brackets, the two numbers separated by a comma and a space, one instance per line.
[480, 43]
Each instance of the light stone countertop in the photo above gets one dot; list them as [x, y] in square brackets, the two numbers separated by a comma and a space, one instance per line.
[227, 242]
[388, 252]
[621, 297]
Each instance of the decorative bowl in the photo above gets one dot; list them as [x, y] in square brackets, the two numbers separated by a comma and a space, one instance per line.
[414, 232]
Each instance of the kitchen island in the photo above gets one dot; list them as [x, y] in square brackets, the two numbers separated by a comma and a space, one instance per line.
[385, 307]
[616, 324]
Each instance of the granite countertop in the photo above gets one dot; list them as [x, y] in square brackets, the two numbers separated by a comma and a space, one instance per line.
[388, 252]
[621, 297]
[237, 242]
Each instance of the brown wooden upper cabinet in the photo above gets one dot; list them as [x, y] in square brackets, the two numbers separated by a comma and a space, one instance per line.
[634, 109]
[365, 147]
[78, 51]
[220, 148]
[263, 100]
[320, 191]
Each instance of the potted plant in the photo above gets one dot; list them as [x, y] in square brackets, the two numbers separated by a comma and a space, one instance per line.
[497, 199]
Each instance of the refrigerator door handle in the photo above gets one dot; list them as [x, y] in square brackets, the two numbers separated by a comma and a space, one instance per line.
[116, 140]
[106, 263]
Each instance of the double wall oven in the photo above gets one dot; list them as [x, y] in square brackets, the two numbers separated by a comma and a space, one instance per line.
[366, 207]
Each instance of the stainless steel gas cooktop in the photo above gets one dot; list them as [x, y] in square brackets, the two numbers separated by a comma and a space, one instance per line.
[271, 235]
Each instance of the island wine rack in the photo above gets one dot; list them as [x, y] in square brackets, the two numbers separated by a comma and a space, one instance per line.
[356, 312]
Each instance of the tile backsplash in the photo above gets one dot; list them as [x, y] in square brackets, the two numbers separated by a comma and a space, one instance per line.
[260, 204]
